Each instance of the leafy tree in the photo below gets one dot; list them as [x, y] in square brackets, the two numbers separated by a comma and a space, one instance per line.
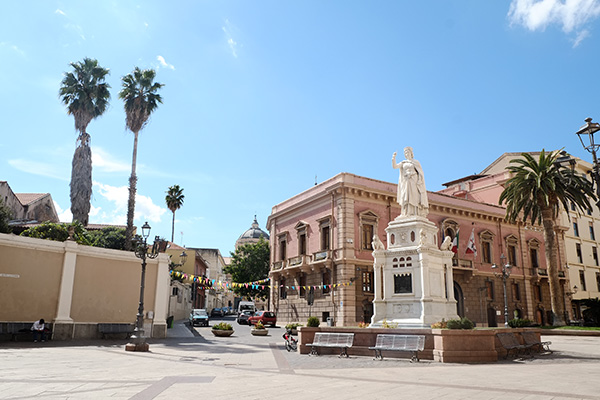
[110, 237]
[5, 217]
[85, 93]
[174, 200]
[536, 191]
[250, 263]
[591, 314]
[140, 95]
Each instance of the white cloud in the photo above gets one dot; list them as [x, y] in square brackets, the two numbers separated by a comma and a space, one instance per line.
[571, 15]
[60, 12]
[12, 47]
[37, 168]
[104, 161]
[145, 209]
[163, 63]
[63, 215]
[228, 29]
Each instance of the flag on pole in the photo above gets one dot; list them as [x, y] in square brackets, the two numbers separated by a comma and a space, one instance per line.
[471, 248]
[455, 242]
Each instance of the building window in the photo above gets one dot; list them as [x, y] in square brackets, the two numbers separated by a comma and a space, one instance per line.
[533, 254]
[324, 227]
[282, 289]
[598, 281]
[487, 239]
[511, 250]
[368, 227]
[582, 280]
[592, 233]
[537, 293]
[302, 284]
[516, 292]
[489, 290]
[589, 211]
[575, 228]
[403, 283]
[326, 281]
[302, 244]
[572, 206]
[282, 247]
[595, 255]
[367, 281]
[578, 250]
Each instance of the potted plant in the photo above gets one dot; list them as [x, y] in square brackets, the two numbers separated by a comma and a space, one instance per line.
[259, 329]
[293, 327]
[222, 329]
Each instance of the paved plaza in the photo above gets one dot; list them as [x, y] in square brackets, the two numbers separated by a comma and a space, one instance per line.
[197, 365]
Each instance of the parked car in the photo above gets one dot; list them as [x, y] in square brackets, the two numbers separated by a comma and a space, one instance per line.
[217, 312]
[199, 317]
[243, 317]
[266, 317]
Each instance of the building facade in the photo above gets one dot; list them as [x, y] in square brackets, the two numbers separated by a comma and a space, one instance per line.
[322, 264]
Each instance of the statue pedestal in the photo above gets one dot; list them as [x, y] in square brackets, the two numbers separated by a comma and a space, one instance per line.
[413, 277]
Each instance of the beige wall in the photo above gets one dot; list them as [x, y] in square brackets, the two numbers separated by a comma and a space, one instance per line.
[76, 287]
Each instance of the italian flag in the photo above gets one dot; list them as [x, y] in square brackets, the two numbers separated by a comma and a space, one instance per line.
[455, 242]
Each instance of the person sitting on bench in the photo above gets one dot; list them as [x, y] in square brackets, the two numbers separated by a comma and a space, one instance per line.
[38, 330]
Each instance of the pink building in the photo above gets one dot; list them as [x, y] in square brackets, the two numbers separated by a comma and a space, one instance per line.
[321, 248]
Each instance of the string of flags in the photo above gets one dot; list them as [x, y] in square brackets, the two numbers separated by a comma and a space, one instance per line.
[205, 283]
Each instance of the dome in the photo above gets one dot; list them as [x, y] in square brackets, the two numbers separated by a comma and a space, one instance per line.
[254, 232]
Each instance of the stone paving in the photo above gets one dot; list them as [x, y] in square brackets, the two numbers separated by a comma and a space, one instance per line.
[195, 364]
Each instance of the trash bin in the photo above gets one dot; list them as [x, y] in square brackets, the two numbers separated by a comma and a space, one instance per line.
[170, 322]
[330, 321]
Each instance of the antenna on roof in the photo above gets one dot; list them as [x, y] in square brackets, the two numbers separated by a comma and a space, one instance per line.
[315, 180]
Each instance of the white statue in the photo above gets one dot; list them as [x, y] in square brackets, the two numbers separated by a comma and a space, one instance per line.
[377, 243]
[446, 244]
[412, 195]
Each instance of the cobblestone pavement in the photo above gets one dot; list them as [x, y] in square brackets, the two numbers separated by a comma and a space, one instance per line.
[196, 364]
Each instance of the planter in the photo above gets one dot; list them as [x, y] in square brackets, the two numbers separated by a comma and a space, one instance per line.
[464, 346]
[222, 333]
[259, 332]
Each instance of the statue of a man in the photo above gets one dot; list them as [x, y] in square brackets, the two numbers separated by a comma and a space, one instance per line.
[412, 195]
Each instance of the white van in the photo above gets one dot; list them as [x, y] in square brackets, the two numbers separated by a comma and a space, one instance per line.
[246, 306]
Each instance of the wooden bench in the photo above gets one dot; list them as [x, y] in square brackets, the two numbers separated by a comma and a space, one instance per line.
[410, 343]
[532, 342]
[325, 339]
[109, 329]
[510, 343]
[17, 329]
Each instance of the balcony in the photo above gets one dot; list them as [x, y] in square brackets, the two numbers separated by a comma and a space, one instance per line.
[320, 256]
[277, 265]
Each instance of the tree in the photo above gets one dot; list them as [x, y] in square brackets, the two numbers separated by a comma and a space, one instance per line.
[536, 191]
[5, 216]
[85, 93]
[140, 95]
[250, 263]
[174, 200]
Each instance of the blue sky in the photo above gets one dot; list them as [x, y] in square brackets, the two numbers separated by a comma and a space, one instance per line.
[262, 96]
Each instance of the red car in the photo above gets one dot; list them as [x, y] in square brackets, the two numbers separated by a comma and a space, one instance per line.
[266, 317]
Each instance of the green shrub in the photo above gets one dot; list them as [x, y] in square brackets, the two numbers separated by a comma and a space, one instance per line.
[519, 323]
[222, 326]
[313, 322]
[293, 325]
[463, 323]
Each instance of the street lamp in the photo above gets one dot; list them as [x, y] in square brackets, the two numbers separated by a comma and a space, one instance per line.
[141, 251]
[586, 135]
[505, 273]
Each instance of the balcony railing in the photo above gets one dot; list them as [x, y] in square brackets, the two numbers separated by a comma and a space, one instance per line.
[320, 256]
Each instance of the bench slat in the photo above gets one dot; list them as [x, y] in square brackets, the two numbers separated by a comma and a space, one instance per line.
[412, 343]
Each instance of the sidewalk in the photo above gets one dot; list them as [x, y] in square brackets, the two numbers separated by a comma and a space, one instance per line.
[243, 366]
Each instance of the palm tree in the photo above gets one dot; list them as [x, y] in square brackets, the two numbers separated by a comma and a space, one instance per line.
[174, 199]
[536, 191]
[139, 92]
[85, 93]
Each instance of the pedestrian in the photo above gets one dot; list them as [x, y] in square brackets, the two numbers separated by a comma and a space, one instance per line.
[38, 329]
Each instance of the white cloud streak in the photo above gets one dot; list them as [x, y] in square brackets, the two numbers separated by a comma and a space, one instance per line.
[163, 63]
[571, 15]
[228, 30]
[37, 168]
[145, 209]
[104, 161]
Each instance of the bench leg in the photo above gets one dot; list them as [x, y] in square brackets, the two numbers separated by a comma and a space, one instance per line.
[378, 355]
[415, 357]
[344, 352]
[313, 351]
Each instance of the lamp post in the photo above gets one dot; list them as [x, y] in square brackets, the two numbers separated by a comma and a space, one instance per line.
[141, 251]
[505, 273]
[586, 135]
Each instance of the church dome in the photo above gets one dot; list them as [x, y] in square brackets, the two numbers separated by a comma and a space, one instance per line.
[254, 232]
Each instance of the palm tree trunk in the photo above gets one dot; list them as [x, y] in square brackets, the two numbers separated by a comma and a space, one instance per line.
[81, 180]
[558, 310]
[132, 192]
[173, 229]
